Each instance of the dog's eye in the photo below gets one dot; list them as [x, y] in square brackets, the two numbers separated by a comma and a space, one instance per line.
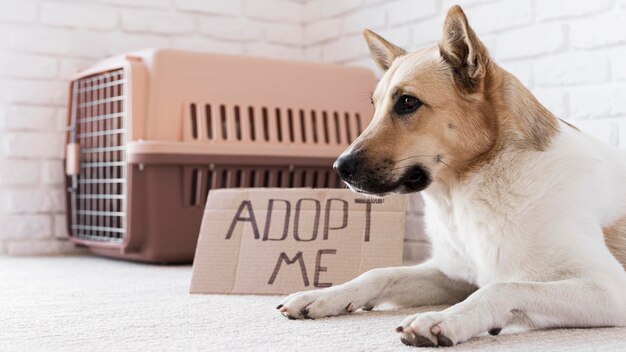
[406, 105]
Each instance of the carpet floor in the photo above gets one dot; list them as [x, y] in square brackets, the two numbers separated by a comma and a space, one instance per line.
[97, 304]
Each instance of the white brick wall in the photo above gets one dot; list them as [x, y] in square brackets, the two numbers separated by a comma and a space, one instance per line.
[43, 42]
[570, 53]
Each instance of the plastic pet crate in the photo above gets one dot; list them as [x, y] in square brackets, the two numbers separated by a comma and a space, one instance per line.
[150, 133]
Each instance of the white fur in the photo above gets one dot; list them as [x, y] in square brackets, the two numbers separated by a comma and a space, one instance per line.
[520, 241]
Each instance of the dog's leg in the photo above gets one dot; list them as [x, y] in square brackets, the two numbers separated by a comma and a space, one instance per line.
[565, 303]
[404, 286]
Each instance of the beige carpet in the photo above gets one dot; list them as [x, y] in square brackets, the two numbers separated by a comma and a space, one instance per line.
[95, 304]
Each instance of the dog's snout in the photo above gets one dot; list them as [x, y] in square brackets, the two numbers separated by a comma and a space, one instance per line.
[346, 166]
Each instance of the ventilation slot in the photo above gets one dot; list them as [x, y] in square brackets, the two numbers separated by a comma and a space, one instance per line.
[325, 180]
[194, 122]
[237, 123]
[210, 183]
[325, 125]
[224, 179]
[304, 178]
[266, 125]
[223, 122]
[348, 129]
[337, 128]
[252, 180]
[303, 126]
[251, 123]
[279, 127]
[292, 136]
[314, 126]
[209, 121]
[196, 187]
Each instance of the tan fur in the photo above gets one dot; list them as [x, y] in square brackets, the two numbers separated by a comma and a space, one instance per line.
[519, 118]
[615, 239]
[382, 51]
[463, 51]
[472, 107]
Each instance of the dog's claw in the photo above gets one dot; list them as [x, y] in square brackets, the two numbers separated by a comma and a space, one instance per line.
[411, 339]
[442, 340]
[279, 306]
[495, 331]
[421, 341]
[350, 308]
[368, 308]
[406, 342]
[399, 329]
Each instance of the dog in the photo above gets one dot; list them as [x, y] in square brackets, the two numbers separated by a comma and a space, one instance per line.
[526, 214]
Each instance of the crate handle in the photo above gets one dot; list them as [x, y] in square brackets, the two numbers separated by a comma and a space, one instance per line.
[72, 157]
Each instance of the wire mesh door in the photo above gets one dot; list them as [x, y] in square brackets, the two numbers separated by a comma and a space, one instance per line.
[98, 191]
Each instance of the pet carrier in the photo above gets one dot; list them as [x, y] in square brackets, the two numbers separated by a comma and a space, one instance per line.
[150, 133]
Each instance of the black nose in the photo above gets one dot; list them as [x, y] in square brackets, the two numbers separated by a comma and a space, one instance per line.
[346, 166]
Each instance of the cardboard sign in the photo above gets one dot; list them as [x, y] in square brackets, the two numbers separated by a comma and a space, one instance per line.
[278, 241]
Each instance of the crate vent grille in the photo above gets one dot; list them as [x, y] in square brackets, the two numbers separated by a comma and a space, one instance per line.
[275, 125]
[203, 179]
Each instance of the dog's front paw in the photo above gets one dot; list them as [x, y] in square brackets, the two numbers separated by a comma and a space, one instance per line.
[429, 330]
[454, 325]
[321, 303]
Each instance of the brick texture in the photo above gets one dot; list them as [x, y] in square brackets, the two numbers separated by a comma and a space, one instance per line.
[89, 16]
[570, 53]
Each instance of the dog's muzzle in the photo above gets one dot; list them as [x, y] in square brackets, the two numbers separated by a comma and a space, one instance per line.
[355, 173]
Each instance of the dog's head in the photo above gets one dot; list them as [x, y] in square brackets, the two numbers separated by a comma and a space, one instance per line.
[430, 113]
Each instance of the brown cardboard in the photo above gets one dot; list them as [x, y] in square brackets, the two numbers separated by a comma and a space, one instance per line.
[315, 238]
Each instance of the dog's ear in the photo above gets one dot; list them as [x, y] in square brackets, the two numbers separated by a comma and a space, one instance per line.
[461, 49]
[382, 51]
